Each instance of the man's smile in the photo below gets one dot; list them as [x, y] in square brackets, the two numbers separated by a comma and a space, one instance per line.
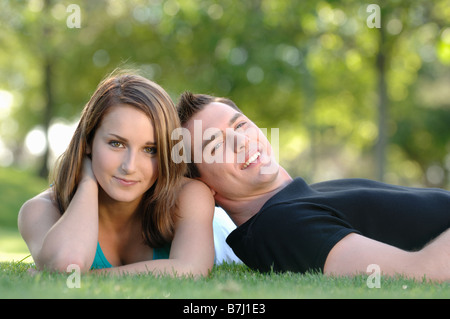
[251, 159]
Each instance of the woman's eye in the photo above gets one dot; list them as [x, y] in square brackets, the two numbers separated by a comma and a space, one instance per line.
[115, 144]
[150, 150]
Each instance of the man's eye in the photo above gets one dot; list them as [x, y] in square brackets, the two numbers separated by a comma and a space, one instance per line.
[216, 147]
[241, 124]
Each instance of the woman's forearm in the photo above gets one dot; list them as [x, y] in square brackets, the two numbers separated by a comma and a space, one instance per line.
[73, 238]
[160, 267]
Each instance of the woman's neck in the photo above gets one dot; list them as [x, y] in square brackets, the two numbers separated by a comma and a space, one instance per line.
[116, 216]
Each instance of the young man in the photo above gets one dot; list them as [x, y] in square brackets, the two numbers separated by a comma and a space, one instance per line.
[338, 227]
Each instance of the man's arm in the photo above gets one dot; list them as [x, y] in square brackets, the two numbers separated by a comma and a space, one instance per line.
[354, 253]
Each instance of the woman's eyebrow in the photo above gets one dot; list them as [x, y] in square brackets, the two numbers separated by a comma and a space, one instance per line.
[118, 137]
[150, 143]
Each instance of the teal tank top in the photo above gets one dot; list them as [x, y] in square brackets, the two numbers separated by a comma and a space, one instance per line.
[100, 260]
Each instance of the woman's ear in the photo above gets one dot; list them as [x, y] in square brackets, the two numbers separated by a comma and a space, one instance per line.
[88, 150]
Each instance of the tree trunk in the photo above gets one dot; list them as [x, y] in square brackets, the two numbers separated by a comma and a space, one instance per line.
[383, 103]
[47, 116]
[48, 91]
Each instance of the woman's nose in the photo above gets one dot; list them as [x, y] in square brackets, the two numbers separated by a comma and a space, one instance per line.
[129, 162]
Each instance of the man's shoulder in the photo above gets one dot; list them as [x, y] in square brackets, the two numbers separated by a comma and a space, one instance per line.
[294, 190]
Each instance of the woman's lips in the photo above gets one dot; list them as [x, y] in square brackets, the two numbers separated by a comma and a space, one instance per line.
[125, 182]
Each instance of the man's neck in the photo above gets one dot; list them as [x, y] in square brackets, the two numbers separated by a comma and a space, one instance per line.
[243, 209]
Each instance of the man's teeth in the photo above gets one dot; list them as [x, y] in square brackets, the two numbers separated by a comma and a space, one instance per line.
[252, 159]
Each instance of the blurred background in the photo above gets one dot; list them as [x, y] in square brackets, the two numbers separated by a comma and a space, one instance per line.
[349, 99]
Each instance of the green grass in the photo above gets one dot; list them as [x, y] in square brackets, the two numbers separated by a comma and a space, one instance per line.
[12, 246]
[15, 188]
[225, 282]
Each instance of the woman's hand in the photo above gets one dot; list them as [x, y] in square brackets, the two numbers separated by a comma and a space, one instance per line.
[57, 240]
[87, 173]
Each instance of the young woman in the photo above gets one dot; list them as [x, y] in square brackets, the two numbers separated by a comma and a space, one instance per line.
[118, 202]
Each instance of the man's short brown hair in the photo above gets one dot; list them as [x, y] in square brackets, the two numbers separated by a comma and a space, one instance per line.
[189, 104]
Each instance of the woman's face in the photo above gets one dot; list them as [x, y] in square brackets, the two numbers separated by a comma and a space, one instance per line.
[123, 153]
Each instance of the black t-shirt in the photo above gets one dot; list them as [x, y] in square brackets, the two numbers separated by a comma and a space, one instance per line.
[296, 228]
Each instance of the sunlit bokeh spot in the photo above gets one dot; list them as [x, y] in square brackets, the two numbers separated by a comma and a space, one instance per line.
[59, 135]
[35, 141]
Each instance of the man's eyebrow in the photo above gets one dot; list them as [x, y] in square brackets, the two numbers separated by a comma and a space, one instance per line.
[217, 134]
[234, 118]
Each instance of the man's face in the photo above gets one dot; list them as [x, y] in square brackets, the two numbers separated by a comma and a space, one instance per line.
[236, 158]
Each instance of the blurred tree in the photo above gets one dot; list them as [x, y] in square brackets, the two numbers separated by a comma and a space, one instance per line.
[340, 92]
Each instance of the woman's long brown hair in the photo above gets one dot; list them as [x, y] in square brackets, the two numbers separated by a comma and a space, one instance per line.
[157, 208]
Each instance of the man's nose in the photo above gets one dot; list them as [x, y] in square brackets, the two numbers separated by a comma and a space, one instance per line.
[238, 141]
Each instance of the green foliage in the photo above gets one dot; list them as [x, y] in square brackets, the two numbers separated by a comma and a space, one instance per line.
[307, 67]
[16, 187]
